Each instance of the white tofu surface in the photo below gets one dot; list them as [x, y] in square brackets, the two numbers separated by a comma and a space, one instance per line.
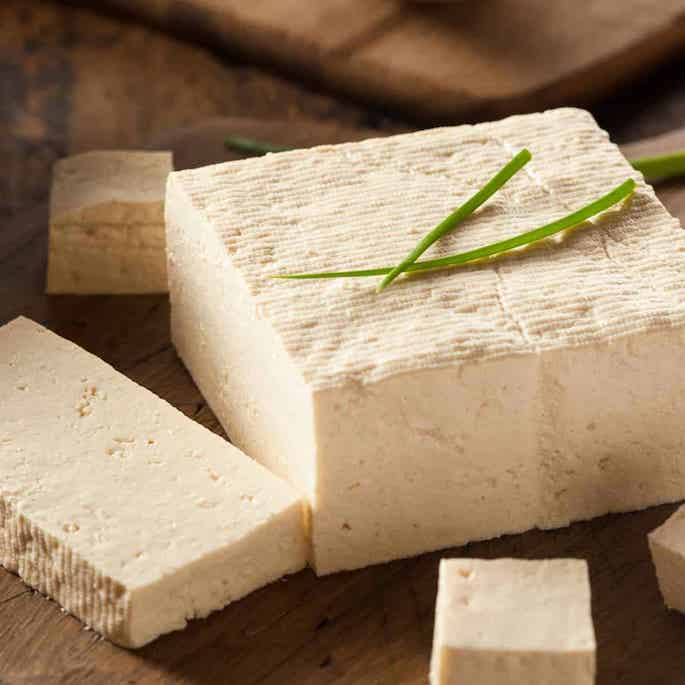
[130, 515]
[530, 391]
[510, 621]
[107, 223]
[667, 545]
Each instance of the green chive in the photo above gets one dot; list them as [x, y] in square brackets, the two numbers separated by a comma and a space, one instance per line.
[615, 196]
[661, 167]
[459, 214]
[255, 147]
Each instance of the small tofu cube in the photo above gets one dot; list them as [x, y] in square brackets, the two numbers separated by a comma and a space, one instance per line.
[116, 505]
[510, 622]
[667, 545]
[533, 390]
[107, 223]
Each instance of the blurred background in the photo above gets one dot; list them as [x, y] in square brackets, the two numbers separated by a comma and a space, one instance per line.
[122, 73]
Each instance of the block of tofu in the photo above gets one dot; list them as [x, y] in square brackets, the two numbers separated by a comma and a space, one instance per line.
[511, 621]
[107, 223]
[130, 515]
[667, 545]
[531, 391]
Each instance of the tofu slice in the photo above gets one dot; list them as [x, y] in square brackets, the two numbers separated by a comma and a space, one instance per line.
[113, 503]
[511, 621]
[667, 545]
[531, 391]
[107, 223]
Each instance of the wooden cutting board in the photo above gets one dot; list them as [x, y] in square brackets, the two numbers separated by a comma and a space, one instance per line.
[476, 58]
[368, 627]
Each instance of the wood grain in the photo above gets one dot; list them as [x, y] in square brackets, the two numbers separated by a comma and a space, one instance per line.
[446, 61]
[368, 627]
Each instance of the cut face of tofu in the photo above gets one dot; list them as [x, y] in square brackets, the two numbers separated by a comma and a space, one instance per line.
[667, 545]
[509, 621]
[130, 515]
[531, 391]
[107, 223]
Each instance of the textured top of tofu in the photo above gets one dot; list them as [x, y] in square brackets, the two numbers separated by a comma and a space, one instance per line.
[93, 186]
[113, 471]
[671, 534]
[367, 204]
[515, 604]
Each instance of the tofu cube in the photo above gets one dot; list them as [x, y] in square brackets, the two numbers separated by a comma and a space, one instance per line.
[107, 223]
[510, 621]
[529, 391]
[114, 504]
[667, 545]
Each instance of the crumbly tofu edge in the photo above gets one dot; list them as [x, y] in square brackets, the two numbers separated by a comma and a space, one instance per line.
[669, 562]
[133, 608]
[133, 617]
[111, 246]
[116, 259]
[574, 666]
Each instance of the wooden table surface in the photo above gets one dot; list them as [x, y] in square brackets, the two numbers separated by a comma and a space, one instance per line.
[71, 80]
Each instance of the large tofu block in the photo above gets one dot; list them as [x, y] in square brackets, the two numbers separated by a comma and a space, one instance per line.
[130, 515]
[667, 545]
[107, 223]
[530, 391]
[510, 621]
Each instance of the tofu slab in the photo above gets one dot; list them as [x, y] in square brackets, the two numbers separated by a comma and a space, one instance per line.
[510, 621]
[107, 223]
[130, 515]
[531, 391]
[667, 545]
